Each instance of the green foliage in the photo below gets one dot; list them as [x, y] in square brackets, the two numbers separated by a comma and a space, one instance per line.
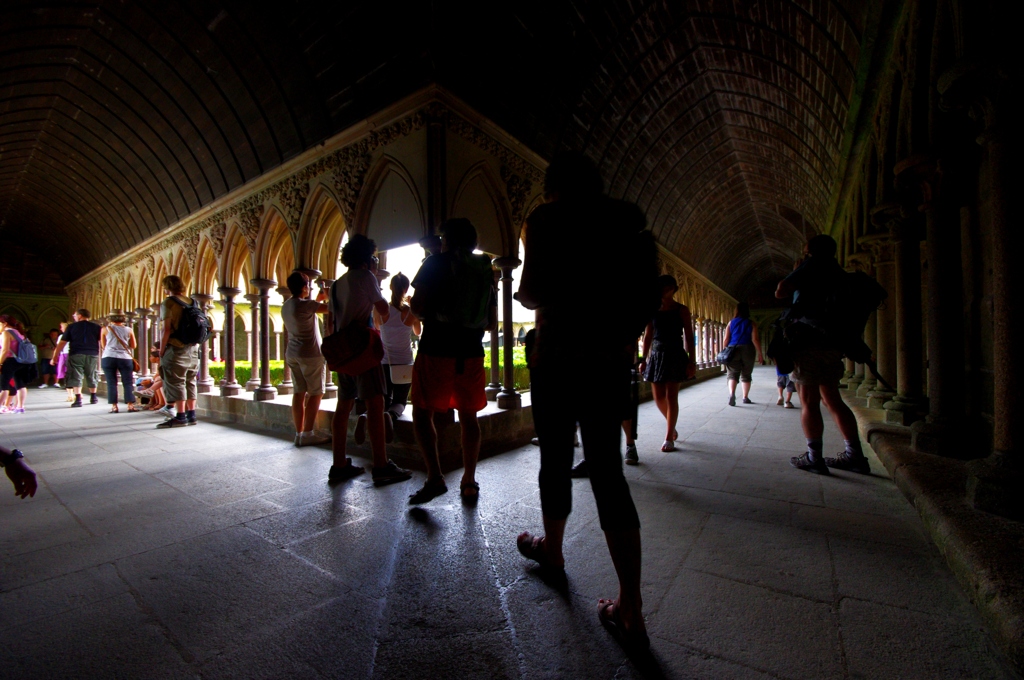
[521, 374]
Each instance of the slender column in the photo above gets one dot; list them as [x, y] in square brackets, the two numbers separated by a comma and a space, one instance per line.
[142, 339]
[330, 389]
[204, 383]
[908, 405]
[508, 397]
[254, 341]
[229, 387]
[286, 386]
[265, 391]
[156, 325]
[885, 274]
[698, 342]
[854, 376]
[215, 352]
[130, 323]
[494, 387]
[868, 381]
[708, 332]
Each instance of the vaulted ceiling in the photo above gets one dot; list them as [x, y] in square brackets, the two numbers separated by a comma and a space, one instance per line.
[725, 121]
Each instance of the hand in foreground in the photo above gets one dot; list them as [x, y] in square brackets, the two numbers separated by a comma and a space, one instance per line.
[23, 477]
[691, 370]
[761, 359]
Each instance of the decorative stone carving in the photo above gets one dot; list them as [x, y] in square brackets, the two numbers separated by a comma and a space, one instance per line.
[518, 190]
[292, 200]
[250, 221]
[215, 234]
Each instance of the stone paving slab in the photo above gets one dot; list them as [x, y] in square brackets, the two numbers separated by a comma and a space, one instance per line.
[220, 552]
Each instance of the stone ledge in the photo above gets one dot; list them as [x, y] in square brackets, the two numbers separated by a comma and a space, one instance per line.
[984, 551]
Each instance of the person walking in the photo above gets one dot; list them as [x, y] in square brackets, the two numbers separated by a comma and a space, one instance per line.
[742, 335]
[116, 344]
[456, 300]
[14, 374]
[817, 362]
[576, 210]
[46, 369]
[353, 298]
[83, 339]
[309, 370]
[667, 362]
[179, 354]
[396, 333]
[61, 356]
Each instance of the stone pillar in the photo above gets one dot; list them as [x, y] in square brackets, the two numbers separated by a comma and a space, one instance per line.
[142, 339]
[265, 391]
[155, 324]
[286, 386]
[204, 383]
[885, 273]
[229, 387]
[508, 397]
[330, 389]
[494, 386]
[215, 352]
[254, 341]
[130, 323]
[709, 332]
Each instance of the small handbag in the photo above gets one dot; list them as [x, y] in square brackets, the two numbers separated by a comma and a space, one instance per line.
[353, 350]
[401, 374]
[726, 355]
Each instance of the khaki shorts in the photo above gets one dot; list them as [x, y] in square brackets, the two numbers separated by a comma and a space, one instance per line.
[178, 368]
[82, 369]
[817, 367]
[309, 374]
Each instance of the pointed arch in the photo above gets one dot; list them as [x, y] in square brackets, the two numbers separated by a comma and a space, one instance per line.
[275, 251]
[205, 280]
[390, 210]
[322, 232]
[479, 198]
[236, 260]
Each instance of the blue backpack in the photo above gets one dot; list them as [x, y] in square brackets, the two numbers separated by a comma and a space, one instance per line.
[27, 353]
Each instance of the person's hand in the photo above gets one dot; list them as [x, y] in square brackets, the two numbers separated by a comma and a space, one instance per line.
[53, 361]
[23, 478]
[761, 359]
[691, 370]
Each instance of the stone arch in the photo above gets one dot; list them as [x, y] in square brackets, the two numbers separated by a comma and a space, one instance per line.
[145, 289]
[236, 262]
[480, 199]
[389, 209]
[322, 232]
[275, 251]
[180, 267]
[205, 280]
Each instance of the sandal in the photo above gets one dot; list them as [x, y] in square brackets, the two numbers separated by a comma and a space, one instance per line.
[113, 409]
[530, 547]
[469, 490]
[668, 446]
[631, 640]
[131, 408]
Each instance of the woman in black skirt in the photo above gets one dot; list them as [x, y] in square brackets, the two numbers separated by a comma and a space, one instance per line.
[668, 348]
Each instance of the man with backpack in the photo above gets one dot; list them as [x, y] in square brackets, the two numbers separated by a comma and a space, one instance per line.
[456, 301]
[83, 358]
[816, 331]
[185, 326]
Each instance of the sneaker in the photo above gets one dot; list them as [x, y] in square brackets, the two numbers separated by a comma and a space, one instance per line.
[314, 438]
[732, 400]
[580, 470]
[389, 474]
[359, 436]
[845, 460]
[191, 421]
[298, 439]
[43, 386]
[779, 402]
[535, 441]
[389, 428]
[631, 455]
[166, 410]
[93, 399]
[430, 491]
[172, 422]
[746, 400]
[18, 410]
[805, 462]
[344, 473]
[788, 404]
[4, 409]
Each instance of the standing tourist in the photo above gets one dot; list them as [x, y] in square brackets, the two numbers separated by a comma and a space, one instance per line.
[396, 334]
[309, 370]
[179, 352]
[83, 340]
[817, 362]
[456, 301]
[574, 212]
[61, 355]
[354, 296]
[116, 344]
[667, 362]
[14, 373]
[742, 334]
[46, 368]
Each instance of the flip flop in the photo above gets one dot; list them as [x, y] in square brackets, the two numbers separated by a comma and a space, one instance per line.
[530, 547]
[631, 641]
[668, 446]
[472, 487]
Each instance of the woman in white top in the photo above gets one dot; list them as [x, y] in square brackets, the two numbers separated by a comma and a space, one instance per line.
[62, 361]
[397, 338]
[116, 344]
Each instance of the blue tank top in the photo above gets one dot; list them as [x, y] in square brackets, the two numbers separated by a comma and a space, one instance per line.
[740, 331]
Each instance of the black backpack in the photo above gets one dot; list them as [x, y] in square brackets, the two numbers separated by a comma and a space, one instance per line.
[193, 326]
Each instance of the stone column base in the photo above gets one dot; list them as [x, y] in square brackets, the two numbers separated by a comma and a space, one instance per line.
[492, 391]
[230, 390]
[901, 411]
[941, 439]
[252, 385]
[869, 385]
[204, 387]
[992, 487]
[509, 400]
[331, 392]
[264, 393]
[878, 398]
[285, 388]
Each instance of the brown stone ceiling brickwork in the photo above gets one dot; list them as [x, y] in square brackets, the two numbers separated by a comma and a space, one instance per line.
[723, 120]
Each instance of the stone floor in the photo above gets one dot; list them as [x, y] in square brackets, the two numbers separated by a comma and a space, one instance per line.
[216, 551]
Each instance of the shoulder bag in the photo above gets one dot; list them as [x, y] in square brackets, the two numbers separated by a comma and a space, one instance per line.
[354, 349]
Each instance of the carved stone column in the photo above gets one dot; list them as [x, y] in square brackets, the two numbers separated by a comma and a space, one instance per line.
[857, 262]
[265, 391]
[286, 386]
[494, 386]
[885, 273]
[230, 386]
[155, 324]
[330, 389]
[142, 339]
[508, 397]
[204, 383]
[254, 341]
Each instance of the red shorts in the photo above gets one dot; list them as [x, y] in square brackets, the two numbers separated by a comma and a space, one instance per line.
[438, 386]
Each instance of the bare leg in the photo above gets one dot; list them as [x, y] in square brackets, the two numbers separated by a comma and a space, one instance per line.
[732, 387]
[470, 445]
[746, 390]
[624, 547]
[312, 408]
[672, 403]
[841, 413]
[426, 437]
[190, 404]
[810, 411]
[375, 429]
[551, 541]
[298, 410]
[339, 428]
[658, 389]
[627, 428]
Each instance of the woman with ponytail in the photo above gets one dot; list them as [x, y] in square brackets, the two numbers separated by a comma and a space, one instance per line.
[396, 334]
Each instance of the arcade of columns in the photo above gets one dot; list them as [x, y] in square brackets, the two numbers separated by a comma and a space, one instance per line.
[395, 178]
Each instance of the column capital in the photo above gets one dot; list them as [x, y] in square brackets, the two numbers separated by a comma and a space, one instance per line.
[859, 262]
[263, 284]
[142, 311]
[204, 298]
[313, 274]
[284, 292]
[982, 86]
[506, 262]
[155, 307]
[923, 172]
[228, 291]
[253, 298]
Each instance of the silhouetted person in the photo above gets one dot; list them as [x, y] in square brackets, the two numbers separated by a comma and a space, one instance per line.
[455, 300]
[309, 370]
[578, 220]
[742, 334]
[818, 364]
